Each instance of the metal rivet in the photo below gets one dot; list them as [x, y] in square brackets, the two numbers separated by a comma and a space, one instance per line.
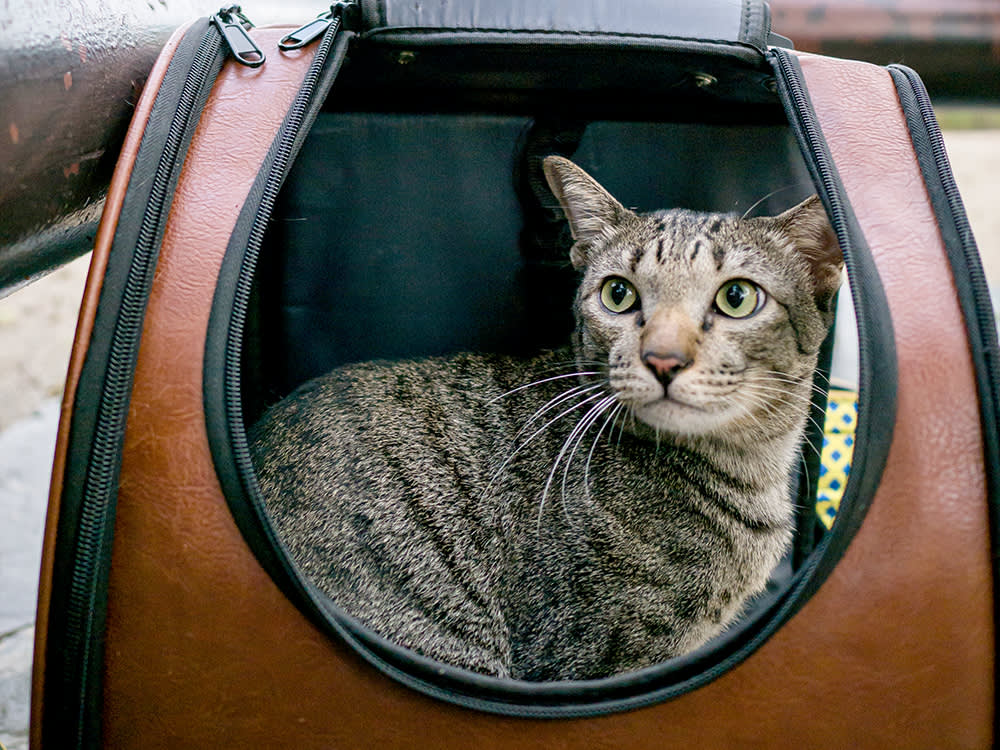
[406, 57]
[771, 85]
[704, 80]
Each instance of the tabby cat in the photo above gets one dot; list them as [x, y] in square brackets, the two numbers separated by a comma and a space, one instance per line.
[591, 510]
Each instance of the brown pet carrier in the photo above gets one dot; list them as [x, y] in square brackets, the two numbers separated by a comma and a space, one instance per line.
[285, 201]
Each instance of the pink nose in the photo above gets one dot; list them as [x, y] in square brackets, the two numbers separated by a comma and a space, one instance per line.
[665, 366]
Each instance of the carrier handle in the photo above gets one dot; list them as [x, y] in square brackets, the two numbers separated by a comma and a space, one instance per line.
[736, 22]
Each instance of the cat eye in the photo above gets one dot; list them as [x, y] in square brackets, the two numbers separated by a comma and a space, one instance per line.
[739, 298]
[618, 295]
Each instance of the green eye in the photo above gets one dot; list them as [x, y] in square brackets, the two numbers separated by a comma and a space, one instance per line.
[739, 298]
[618, 295]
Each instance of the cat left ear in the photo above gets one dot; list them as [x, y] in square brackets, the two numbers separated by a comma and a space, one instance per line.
[589, 208]
[808, 226]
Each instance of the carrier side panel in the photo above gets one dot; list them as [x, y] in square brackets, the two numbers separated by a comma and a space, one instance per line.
[84, 329]
[921, 561]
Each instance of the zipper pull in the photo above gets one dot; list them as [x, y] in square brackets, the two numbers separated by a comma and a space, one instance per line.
[314, 29]
[233, 25]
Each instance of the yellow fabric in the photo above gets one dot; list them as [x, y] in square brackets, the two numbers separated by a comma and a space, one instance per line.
[838, 450]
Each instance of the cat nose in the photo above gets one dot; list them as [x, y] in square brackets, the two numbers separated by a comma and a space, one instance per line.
[665, 366]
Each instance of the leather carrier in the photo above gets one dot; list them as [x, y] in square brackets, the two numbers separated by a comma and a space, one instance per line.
[287, 199]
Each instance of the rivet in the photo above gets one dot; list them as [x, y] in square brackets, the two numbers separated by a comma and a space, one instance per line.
[704, 80]
[406, 57]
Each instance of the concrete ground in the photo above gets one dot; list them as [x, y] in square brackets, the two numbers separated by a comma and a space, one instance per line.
[36, 331]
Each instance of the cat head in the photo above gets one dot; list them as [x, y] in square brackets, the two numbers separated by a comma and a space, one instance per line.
[709, 323]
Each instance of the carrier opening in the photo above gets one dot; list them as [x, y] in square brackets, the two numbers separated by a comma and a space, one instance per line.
[402, 236]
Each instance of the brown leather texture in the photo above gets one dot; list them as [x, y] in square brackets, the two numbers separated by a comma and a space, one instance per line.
[895, 650]
[84, 327]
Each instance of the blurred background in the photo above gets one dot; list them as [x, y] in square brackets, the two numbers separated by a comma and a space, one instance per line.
[953, 44]
[55, 164]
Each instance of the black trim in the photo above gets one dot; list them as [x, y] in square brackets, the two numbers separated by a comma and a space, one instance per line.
[572, 698]
[77, 611]
[970, 285]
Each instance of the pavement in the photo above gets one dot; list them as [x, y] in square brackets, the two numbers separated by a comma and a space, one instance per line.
[25, 461]
[36, 330]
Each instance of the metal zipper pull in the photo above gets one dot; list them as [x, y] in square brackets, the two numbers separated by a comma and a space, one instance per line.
[315, 29]
[233, 25]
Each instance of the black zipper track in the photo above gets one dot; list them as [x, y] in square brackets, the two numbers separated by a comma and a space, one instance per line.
[76, 648]
[582, 699]
[224, 341]
[970, 283]
[286, 146]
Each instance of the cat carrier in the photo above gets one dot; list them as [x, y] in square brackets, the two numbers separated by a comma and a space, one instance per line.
[369, 186]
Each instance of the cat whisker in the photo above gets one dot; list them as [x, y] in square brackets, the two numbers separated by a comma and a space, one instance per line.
[805, 465]
[809, 375]
[748, 412]
[583, 423]
[771, 195]
[581, 429]
[499, 472]
[621, 428]
[619, 412]
[782, 392]
[574, 363]
[802, 456]
[786, 378]
[577, 364]
[586, 468]
[813, 389]
[762, 402]
[541, 382]
[763, 391]
[771, 388]
[554, 402]
[567, 447]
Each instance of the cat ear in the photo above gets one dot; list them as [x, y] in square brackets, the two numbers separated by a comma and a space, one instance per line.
[589, 208]
[808, 226]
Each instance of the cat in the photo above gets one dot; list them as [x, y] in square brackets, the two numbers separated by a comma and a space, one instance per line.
[591, 510]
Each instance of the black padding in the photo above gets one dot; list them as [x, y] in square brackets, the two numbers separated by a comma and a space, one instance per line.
[401, 238]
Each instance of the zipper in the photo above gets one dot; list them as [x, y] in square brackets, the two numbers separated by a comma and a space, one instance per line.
[337, 15]
[293, 131]
[808, 132]
[224, 337]
[233, 25]
[810, 138]
[80, 653]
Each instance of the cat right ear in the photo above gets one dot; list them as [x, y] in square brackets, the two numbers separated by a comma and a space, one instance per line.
[809, 228]
[589, 208]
